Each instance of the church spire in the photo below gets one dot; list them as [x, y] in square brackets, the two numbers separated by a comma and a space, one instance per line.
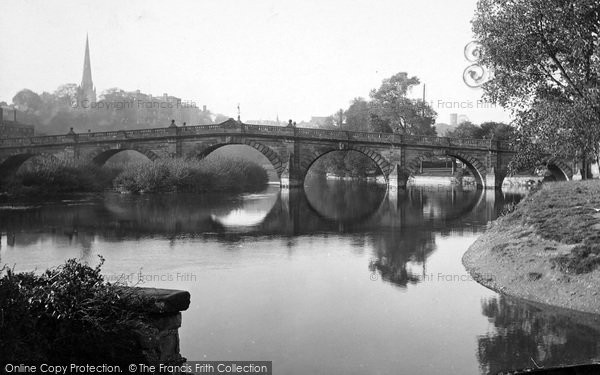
[88, 92]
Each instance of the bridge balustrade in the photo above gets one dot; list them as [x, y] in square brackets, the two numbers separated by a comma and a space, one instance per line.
[384, 137]
[287, 132]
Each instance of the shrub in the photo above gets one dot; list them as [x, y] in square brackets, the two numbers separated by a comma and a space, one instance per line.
[68, 314]
[43, 176]
[188, 175]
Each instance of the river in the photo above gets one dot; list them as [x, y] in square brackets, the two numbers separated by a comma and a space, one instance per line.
[338, 278]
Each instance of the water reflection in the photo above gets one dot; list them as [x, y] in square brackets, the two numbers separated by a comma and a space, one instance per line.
[298, 252]
[399, 225]
[328, 208]
[523, 333]
[394, 250]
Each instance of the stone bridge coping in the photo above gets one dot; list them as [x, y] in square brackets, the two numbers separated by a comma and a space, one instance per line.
[231, 127]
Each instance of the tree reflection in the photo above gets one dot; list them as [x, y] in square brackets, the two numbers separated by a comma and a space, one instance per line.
[394, 250]
[522, 332]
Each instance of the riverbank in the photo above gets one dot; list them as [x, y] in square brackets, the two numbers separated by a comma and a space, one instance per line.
[547, 250]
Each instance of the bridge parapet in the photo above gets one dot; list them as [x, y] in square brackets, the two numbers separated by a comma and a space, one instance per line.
[232, 127]
[376, 137]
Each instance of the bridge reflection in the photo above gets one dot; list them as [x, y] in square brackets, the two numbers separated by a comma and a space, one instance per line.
[400, 226]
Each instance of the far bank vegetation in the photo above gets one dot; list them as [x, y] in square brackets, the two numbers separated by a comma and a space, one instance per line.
[54, 176]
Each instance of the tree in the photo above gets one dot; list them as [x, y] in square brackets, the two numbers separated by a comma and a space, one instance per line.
[545, 59]
[27, 100]
[466, 130]
[498, 131]
[67, 94]
[358, 115]
[390, 104]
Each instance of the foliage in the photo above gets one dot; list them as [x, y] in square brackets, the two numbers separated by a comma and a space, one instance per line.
[191, 175]
[389, 110]
[466, 130]
[358, 115]
[406, 116]
[498, 131]
[54, 176]
[68, 314]
[116, 109]
[47, 176]
[546, 63]
[342, 163]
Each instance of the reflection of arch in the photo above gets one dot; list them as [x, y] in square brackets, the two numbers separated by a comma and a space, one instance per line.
[475, 166]
[252, 211]
[101, 156]
[273, 156]
[308, 159]
[416, 197]
[11, 164]
[323, 202]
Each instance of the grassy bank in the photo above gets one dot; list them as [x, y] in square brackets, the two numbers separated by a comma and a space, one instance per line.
[547, 249]
[46, 177]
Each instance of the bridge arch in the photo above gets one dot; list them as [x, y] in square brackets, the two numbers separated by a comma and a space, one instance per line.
[307, 159]
[268, 152]
[11, 164]
[476, 167]
[560, 170]
[99, 157]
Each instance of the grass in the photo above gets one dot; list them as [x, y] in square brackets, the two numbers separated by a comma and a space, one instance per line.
[566, 212]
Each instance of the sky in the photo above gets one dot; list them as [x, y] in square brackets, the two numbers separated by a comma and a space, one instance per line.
[287, 59]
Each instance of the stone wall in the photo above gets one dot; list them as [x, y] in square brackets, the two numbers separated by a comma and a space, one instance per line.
[160, 342]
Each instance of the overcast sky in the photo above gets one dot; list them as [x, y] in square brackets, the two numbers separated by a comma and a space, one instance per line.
[295, 59]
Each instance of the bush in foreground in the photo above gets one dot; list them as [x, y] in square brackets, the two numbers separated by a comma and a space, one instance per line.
[68, 315]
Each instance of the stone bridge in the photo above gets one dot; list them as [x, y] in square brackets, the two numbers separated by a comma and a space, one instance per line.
[291, 151]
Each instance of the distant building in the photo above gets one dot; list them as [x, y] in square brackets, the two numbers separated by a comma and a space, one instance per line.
[86, 92]
[453, 119]
[10, 128]
[462, 118]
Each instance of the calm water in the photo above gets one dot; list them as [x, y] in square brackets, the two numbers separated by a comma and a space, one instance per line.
[339, 279]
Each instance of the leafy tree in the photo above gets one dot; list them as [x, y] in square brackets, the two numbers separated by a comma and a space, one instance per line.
[67, 94]
[466, 130]
[358, 115]
[404, 115]
[380, 125]
[497, 130]
[546, 63]
[27, 100]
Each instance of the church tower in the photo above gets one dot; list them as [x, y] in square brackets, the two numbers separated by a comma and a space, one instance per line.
[87, 91]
